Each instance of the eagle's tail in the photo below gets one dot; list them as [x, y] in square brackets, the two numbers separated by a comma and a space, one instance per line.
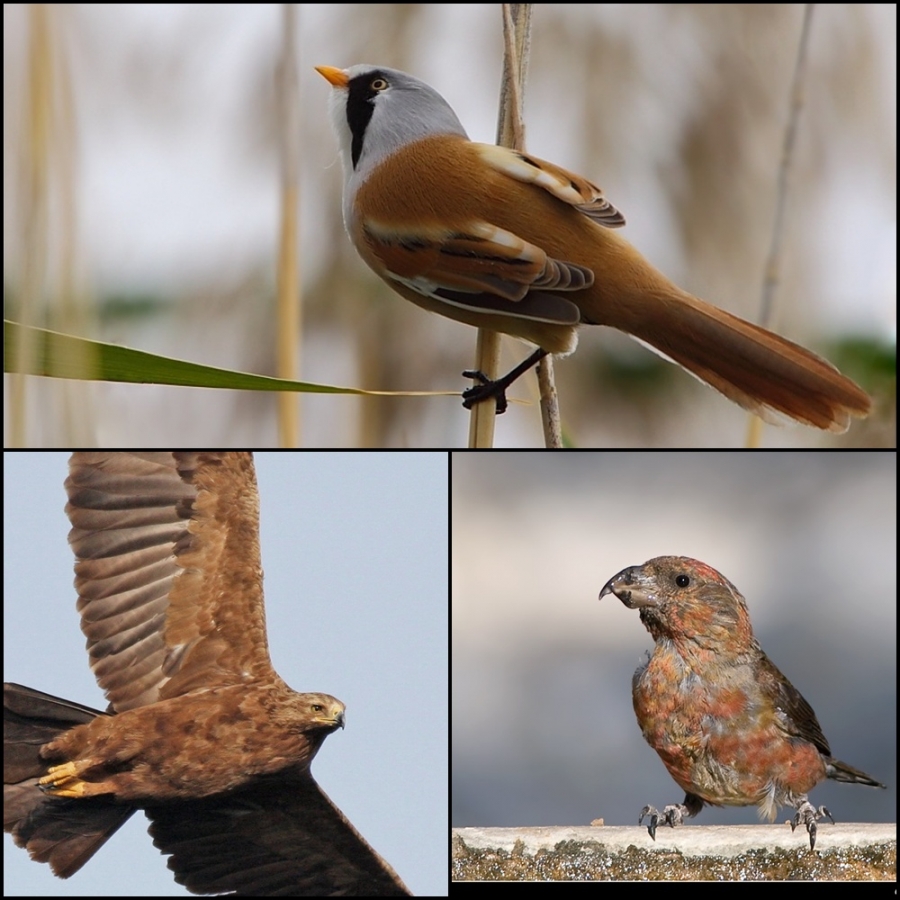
[63, 832]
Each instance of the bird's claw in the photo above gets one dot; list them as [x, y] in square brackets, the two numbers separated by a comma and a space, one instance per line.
[484, 390]
[672, 815]
[807, 814]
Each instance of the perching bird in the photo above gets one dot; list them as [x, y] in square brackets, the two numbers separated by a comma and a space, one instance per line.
[729, 727]
[502, 240]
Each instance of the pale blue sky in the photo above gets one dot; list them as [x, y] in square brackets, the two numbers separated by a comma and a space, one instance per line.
[354, 548]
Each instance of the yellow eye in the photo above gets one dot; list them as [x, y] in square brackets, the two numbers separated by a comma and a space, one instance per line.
[379, 84]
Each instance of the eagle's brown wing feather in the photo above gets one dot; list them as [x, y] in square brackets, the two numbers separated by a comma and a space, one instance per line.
[282, 836]
[168, 571]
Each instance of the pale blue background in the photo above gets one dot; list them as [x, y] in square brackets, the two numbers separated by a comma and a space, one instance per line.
[354, 548]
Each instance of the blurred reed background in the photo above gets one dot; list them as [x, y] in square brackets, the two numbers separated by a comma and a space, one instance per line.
[141, 207]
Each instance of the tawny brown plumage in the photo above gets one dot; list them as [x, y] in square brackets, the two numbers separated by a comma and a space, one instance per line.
[201, 732]
[755, 368]
[503, 240]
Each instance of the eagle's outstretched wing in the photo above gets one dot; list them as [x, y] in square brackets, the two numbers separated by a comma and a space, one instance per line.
[168, 571]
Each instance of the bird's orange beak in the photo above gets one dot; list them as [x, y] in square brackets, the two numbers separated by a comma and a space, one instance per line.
[336, 77]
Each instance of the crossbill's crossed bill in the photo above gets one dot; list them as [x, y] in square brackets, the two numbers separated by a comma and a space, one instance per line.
[729, 727]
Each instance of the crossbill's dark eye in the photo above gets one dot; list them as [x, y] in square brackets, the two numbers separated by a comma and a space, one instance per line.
[682, 580]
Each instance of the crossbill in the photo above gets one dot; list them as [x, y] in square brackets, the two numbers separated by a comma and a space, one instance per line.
[729, 727]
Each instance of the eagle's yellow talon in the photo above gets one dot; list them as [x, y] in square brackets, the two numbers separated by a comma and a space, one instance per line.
[62, 781]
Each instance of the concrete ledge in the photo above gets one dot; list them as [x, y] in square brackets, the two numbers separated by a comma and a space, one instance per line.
[745, 852]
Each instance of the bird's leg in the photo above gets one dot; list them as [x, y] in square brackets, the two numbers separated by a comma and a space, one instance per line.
[671, 815]
[59, 776]
[807, 814]
[487, 389]
[68, 780]
[63, 780]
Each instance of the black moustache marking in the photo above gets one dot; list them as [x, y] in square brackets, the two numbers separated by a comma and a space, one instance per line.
[360, 107]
